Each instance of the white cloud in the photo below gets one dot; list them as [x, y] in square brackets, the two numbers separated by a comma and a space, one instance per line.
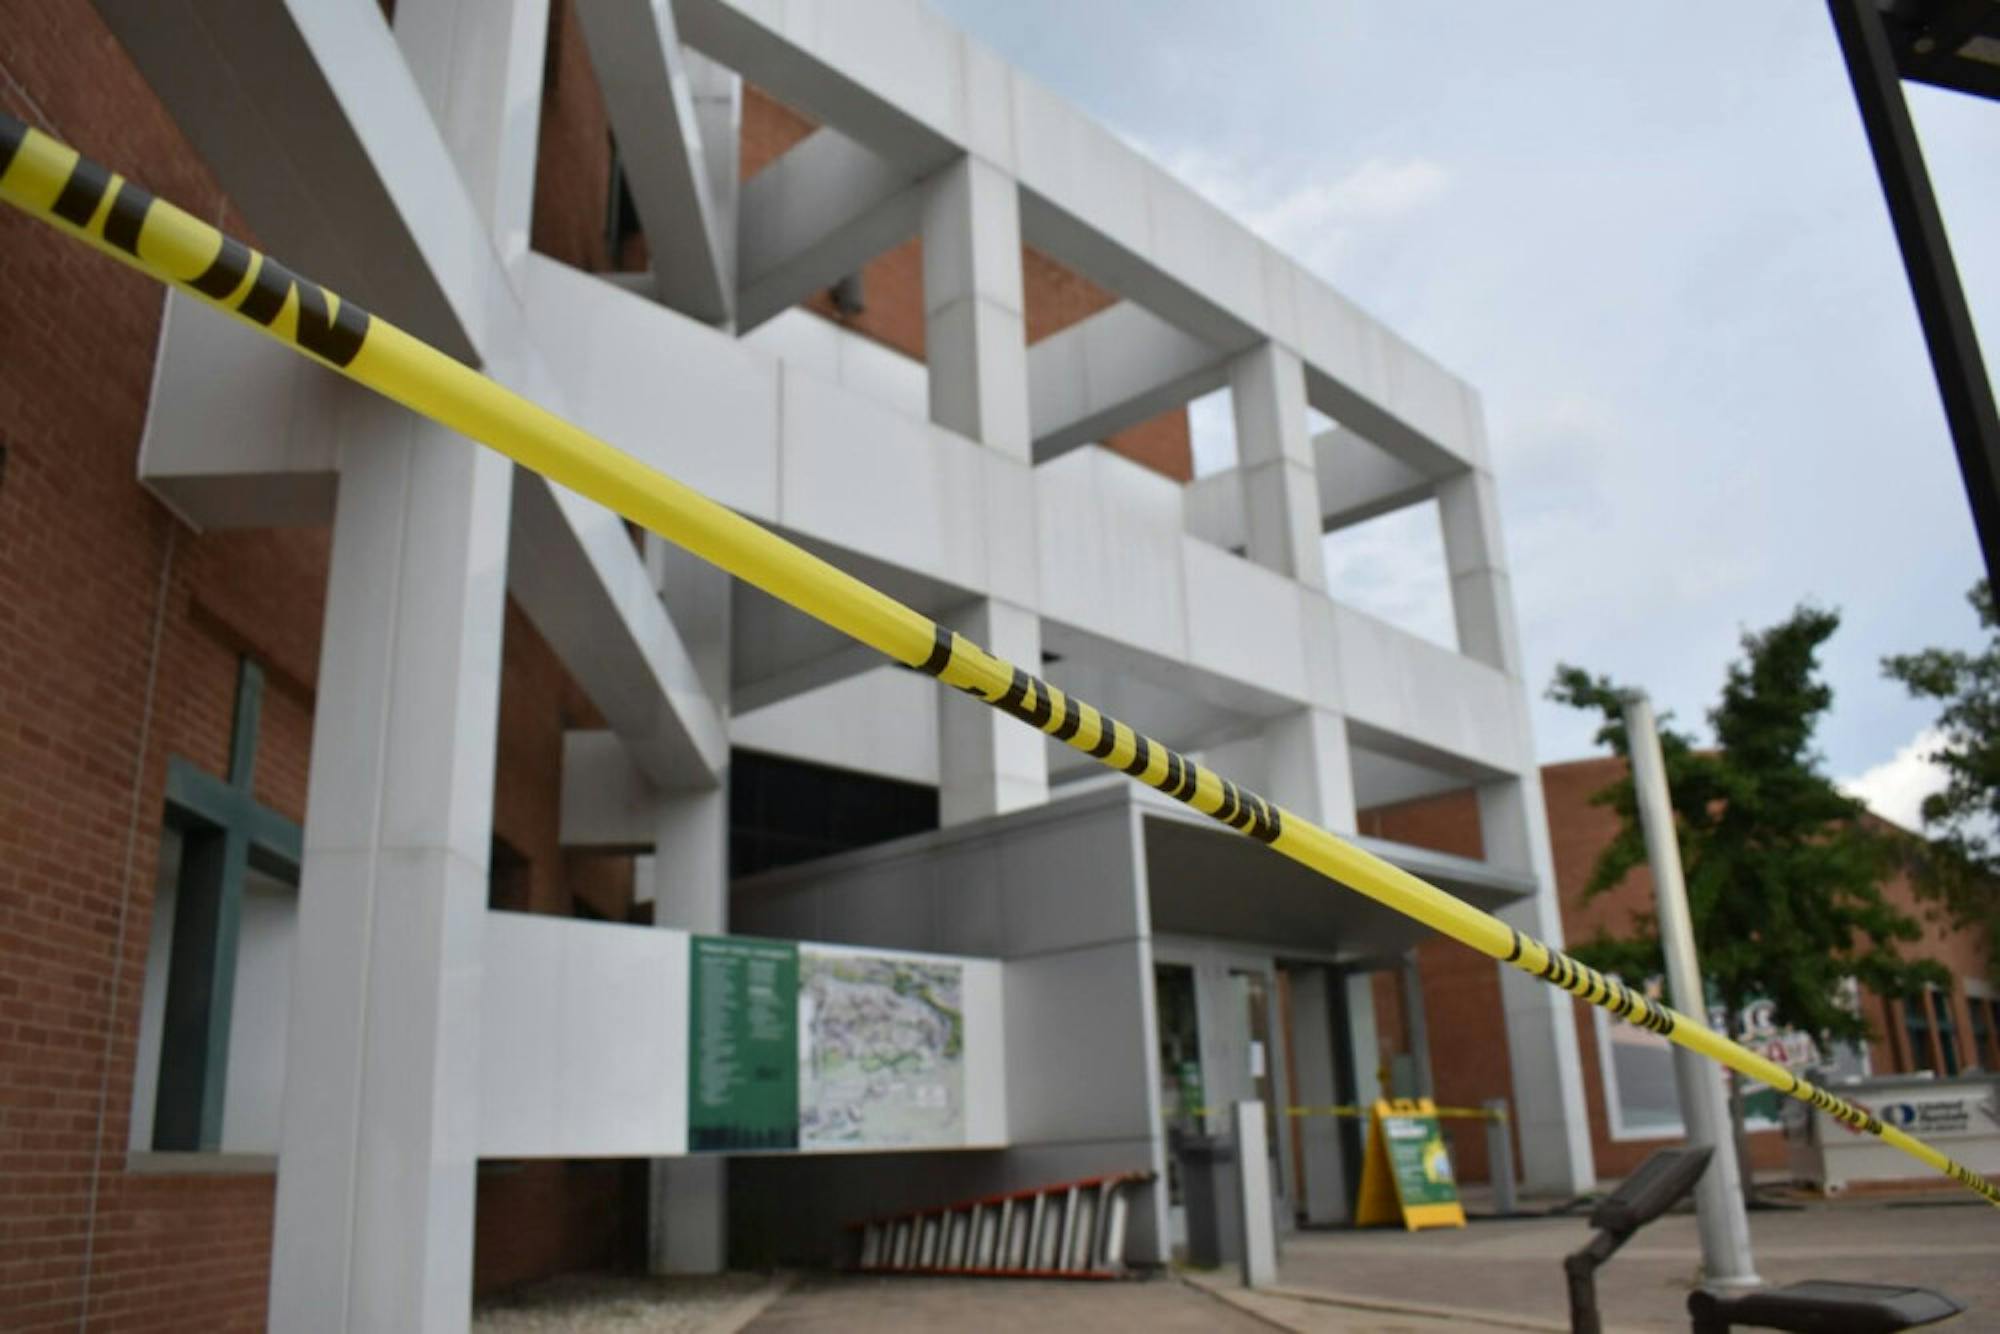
[1308, 216]
[1896, 788]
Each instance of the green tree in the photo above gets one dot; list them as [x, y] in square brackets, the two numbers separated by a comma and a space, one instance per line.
[1784, 877]
[1960, 864]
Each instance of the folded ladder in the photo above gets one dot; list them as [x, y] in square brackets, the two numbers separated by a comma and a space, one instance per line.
[1072, 1230]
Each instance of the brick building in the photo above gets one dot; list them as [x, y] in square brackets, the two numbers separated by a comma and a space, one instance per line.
[1948, 1032]
[310, 713]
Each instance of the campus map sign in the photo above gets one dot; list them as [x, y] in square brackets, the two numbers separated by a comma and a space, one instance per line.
[817, 1048]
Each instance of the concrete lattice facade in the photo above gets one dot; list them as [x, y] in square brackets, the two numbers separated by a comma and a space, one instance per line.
[480, 692]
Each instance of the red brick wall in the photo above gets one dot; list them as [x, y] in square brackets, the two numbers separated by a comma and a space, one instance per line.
[573, 159]
[89, 564]
[552, 1217]
[83, 550]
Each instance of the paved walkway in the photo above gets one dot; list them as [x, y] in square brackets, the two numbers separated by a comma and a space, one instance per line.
[1514, 1268]
[1491, 1276]
[824, 1304]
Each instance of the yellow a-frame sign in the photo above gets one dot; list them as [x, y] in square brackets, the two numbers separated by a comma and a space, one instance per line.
[1406, 1173]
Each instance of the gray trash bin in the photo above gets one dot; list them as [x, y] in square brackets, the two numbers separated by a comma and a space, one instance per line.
[1213, 1205]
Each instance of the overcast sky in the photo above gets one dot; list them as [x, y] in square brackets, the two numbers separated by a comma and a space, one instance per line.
[1651, 234]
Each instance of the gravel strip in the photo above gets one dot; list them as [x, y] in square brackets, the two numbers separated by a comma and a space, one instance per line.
[629, 1304]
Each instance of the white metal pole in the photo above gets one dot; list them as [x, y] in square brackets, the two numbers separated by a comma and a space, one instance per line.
[1725, 1229]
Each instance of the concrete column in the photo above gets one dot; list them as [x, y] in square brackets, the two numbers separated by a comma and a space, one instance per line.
[1541, 1024]
[479, 66]
[1274, 450]
[1362, 1043]
[987, 762]
[1416, 1023]
[1310, 770]
[377, 1150]
[975, 346]
[718, 117]
[688, 1228]
[975, 338]
[1482, 598]
[698, 601]
[1326, 1198]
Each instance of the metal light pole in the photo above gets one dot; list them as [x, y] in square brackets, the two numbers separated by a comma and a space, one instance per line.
[1725, 1230]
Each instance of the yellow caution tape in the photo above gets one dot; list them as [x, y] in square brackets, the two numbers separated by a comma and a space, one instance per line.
[1348, 1110]
[52, 182]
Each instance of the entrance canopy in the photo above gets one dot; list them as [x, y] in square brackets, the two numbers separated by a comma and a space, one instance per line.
[1205, 881]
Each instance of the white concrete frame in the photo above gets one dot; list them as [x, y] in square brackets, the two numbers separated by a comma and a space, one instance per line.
[397, 164]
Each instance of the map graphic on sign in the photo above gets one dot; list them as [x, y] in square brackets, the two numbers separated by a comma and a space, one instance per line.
[881, 1051]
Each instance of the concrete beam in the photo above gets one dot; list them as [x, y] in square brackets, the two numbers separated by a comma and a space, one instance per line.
[815, 215]
[838, 665]
[574, 571]
[777, 652]
[333, 179]
[869, 93]
[1120, 367]
[649, 95]
[718, 120]
[1357, 482]
[479, 65]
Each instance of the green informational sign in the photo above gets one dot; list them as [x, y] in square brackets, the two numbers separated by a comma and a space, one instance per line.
[1418, 1160]
[1193, 1101]
[743, 1044]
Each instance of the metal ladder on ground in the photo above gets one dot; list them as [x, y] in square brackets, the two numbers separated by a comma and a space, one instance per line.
[1075, 1229]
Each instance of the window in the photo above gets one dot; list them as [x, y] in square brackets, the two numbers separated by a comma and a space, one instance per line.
[621, 216]
[185, 1099]
[1917, 1025]
[1641, 1092]
[1982, 1008]
[509, 882]
[783, 811]
[1947, 1027]
[210, 1068]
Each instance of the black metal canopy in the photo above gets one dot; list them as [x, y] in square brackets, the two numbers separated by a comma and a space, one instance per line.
[1949, 43]
[1953, 44]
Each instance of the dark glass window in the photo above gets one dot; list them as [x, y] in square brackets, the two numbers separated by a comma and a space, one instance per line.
[784, 811]
[507, 883]
[1917, 1023]
[1947, 1027]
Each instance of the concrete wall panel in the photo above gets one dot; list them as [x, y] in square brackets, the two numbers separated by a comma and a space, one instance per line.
[696, 405]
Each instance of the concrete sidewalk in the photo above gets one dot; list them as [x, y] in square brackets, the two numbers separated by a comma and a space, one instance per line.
[1511, 1271]
[1491, 1276]
[834, 1304]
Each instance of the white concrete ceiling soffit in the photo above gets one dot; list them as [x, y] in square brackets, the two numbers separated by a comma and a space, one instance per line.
[313, 122]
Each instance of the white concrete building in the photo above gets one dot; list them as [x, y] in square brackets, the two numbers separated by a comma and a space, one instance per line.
[1128, 940]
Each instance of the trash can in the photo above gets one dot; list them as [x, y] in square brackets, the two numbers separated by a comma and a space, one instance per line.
[1213, 1205]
